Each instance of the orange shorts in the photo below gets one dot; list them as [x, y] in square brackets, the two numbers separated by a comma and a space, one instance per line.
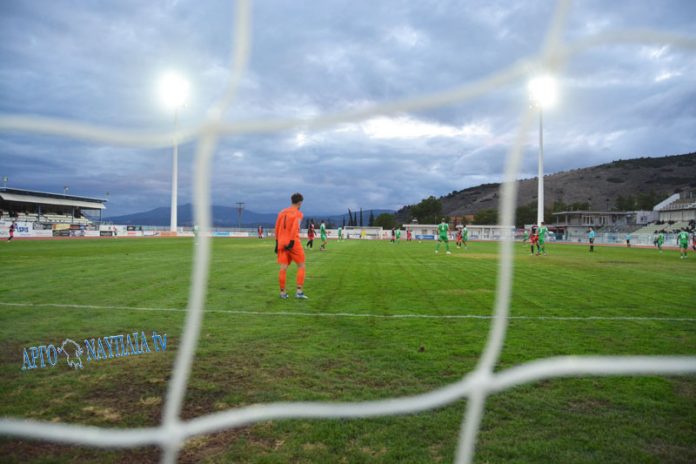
[296, 254]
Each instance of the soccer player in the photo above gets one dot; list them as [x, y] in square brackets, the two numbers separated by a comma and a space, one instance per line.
[465, 237]
[683, 241]
[13, 226]
[628, 240]
[408, 237]
[260, 232]
[442, 229]
[591, 236]
[398, 235]
[288, 246]
[693, 241]
[311, 233]
[525, 236]
[541, 245]
[340, 233]
[660, 240]
[459, 238]
[322, 234]
[533, 240]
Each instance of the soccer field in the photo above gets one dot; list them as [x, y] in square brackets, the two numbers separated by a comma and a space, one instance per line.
[382, 320]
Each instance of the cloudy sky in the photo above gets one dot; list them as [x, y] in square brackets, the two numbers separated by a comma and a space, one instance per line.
[99, 62]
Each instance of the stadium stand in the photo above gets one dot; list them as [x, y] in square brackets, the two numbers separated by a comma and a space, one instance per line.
[29, 206]
[676, 213]
[667, 227]
[678, 208]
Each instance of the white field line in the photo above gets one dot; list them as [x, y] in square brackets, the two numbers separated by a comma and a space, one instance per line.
[355, 315]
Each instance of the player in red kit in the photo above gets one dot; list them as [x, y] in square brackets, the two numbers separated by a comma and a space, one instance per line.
[311, 233]
[13, 227]
[534, 239]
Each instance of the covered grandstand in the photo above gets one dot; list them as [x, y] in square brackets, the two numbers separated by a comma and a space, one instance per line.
[49, 214]
[669, 217]
[678, 212]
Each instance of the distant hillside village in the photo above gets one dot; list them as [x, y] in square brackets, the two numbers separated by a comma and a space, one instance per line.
[640, 196]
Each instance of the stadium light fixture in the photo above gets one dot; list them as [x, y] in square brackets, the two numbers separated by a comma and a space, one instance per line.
[174, 91]
[543, 93]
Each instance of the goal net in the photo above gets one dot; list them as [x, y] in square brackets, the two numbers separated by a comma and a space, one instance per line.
[171, 434]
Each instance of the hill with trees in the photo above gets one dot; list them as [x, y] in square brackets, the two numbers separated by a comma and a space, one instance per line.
[622, 185]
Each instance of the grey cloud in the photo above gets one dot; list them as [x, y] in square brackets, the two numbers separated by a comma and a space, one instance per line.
[99, 63]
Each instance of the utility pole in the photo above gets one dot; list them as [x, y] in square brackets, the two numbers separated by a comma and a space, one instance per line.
[240, 210]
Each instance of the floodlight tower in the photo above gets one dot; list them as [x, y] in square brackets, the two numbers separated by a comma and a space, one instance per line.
[174, 90]
[542, 94]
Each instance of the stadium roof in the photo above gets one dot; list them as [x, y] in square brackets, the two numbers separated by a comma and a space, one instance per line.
[46, 198]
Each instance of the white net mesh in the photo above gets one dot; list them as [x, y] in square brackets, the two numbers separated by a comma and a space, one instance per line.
[172, 433]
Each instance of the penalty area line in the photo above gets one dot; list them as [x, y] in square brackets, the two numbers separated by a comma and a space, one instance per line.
[358, 315]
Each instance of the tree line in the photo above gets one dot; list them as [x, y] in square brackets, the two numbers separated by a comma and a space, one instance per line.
[429, 211]
[354, 219]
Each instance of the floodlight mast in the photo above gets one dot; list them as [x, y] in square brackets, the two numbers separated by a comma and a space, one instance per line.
[174, 91]
[173, 218]
[540, 183]
[542, 94]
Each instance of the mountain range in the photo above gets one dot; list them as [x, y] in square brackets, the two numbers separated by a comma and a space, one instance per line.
[228, 216]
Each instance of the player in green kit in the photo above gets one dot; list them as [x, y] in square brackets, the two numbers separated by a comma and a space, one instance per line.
[340, 233]
[322, 234]
[465, 237]
[398, 235]
[660, 241]
[442, 230]
[543, 230]
[683, 241]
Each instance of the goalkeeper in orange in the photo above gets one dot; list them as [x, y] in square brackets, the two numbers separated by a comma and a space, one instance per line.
[288, 246]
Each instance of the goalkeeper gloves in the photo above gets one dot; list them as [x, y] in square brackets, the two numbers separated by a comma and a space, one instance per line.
[276, 248]
[289, 246]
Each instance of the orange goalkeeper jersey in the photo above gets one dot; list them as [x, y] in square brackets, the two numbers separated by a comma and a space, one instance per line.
[287, 226]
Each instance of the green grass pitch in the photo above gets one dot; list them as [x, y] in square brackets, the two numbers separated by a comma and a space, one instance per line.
[320, 349]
